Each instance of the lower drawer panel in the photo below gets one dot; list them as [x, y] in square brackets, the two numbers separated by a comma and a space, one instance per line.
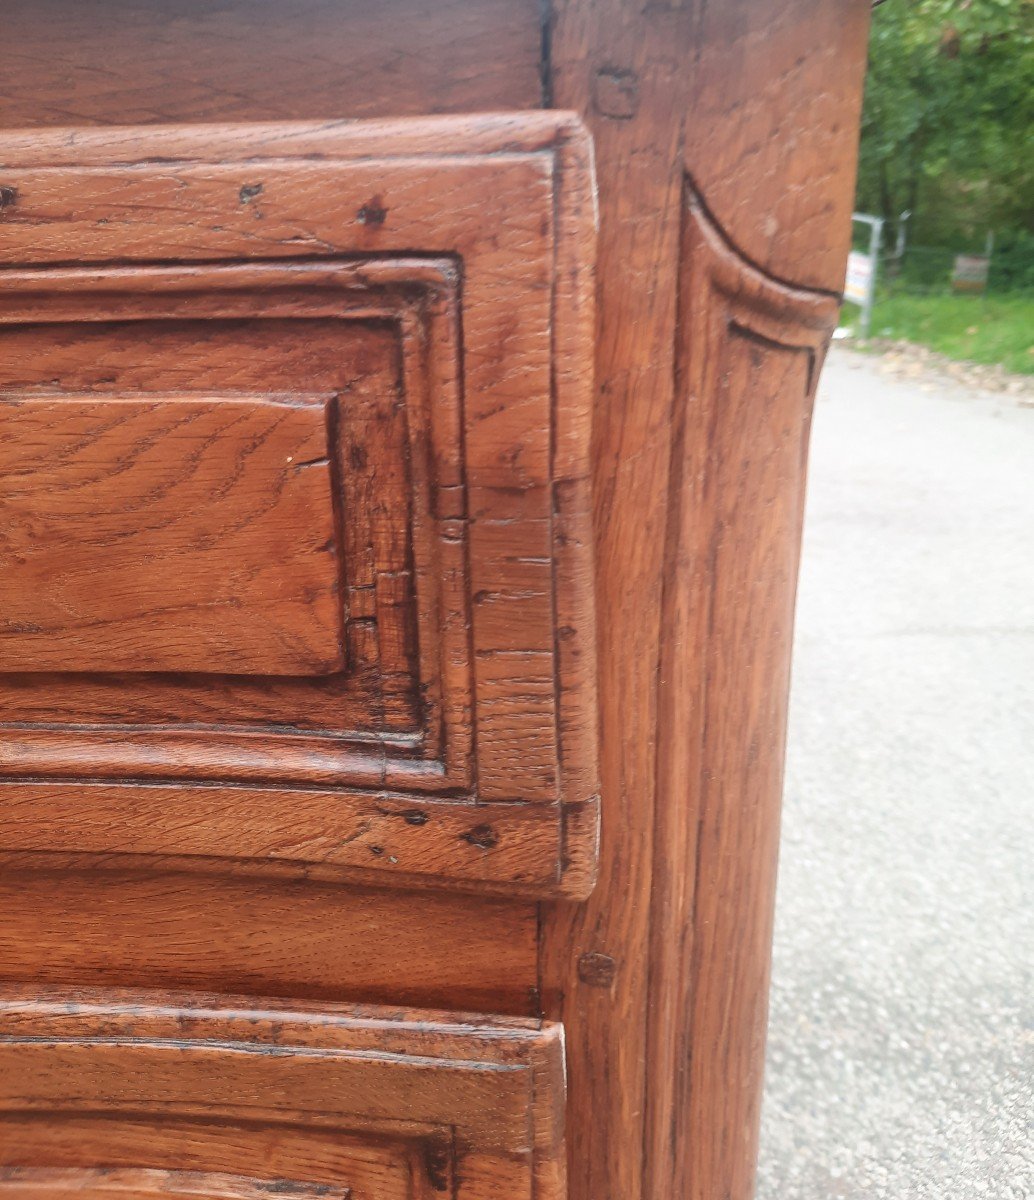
[128, 1095]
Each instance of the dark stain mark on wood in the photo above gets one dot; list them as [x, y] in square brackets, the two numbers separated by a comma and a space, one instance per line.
[412, 816]
[597, 970]
[8, 197]
[291, 1187]
[484, 837]
[249, 191]
[437, 1157]
[373, 212]
[615, 93]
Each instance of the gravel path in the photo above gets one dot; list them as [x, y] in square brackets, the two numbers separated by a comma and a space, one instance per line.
[901, 1048]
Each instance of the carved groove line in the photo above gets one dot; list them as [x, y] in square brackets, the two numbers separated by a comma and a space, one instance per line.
[721, 295]
[505, 797]
[107, 1183]
[405, 299]
[454, 1102]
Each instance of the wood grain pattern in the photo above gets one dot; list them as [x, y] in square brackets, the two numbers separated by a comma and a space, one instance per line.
[625, 71]
[141, 62]
[480, 1103]
[459, 492]
[723, 692]
[340, 330]
[746, 112]
[121, 1183]
[775, 96]
[216, 556]
[725, 141]
[255, 328]
[147, 924]
[515, 847]
[198, 1160]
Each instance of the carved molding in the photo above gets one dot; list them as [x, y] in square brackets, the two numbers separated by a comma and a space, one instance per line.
[447, 732]
[399, 1105]
[128, 1183]
[748, 350]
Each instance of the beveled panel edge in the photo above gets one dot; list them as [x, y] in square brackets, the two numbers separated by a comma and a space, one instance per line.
[420, 295]
[374, 838]
[493, 1088]
[463, 135]
[505, 141]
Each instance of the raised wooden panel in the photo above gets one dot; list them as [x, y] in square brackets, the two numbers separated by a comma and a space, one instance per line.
[298, 1163]
[309, 433]
[129, 1095]
[740, 447]
[167, 534]
[687, 965]
[313, 336]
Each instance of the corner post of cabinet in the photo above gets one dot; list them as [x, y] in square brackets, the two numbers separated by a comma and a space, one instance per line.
[725, 147]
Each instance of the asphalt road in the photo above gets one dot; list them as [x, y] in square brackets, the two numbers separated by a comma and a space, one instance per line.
[901, 1047]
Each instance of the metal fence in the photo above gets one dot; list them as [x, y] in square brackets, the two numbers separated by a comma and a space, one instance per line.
[936, 270]
[880, 267]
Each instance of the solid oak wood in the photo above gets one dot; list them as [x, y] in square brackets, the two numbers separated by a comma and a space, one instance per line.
[119, 1183]
[144, 62]
[451, 599]
[724, 138]
[150, 925]
[455, 1104]
[217, 555]
[767, 341]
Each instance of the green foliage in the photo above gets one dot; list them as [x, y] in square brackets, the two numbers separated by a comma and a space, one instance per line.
[948, 118]
[982, 329]
[1012, 264]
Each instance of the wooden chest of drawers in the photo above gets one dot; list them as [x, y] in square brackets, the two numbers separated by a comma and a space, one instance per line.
[402, 422]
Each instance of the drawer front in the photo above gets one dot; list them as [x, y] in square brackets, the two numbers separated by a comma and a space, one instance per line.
[127, 1096]
[295, 562]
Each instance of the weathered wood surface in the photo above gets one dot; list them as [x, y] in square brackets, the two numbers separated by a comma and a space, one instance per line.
[397, 604]
[388, 1179]
[449, 1103]
[145, 62]
[145, 924]
[724, 137]
[167, 534]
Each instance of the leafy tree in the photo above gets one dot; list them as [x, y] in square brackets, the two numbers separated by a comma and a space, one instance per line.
[948, 117]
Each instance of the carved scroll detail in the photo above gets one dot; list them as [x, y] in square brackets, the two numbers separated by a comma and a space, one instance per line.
[748, 349]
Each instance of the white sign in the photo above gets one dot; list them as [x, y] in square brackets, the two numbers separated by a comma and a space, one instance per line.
[970, 272]
[859, 277]
[860, 285]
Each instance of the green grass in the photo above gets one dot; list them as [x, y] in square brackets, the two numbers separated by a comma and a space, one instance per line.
[981, 329]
